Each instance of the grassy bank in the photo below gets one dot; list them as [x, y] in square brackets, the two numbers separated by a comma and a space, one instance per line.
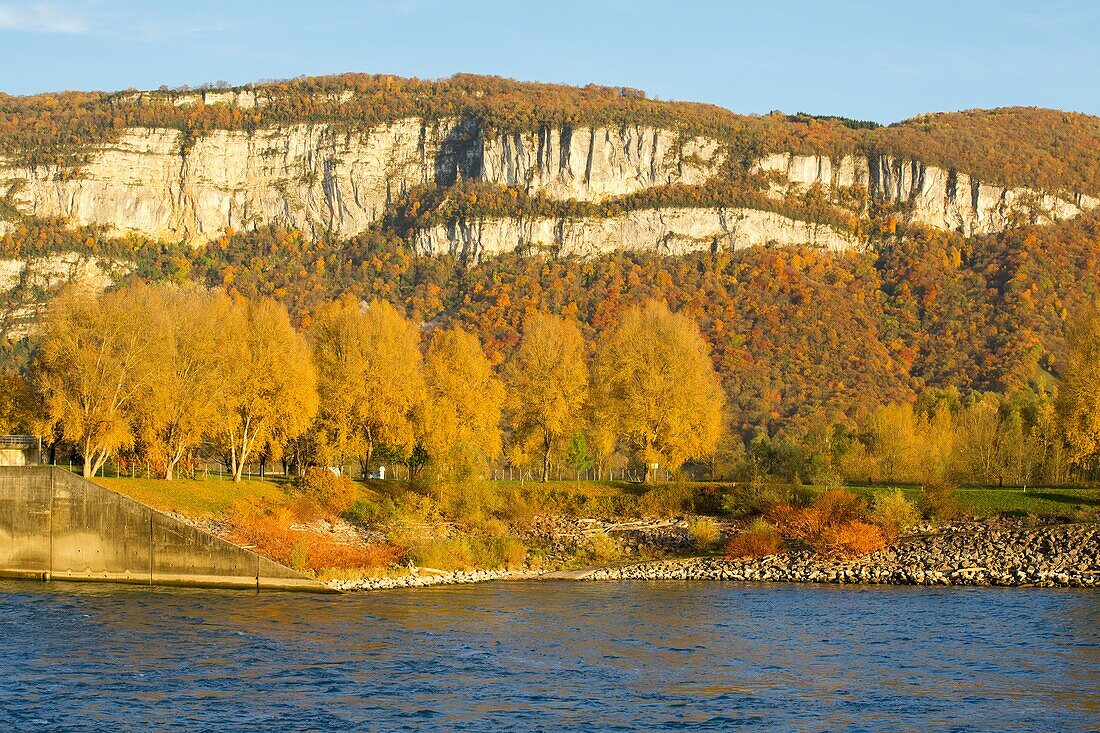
[375, 527]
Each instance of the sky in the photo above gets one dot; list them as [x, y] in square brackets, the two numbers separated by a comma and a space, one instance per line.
[880, 60]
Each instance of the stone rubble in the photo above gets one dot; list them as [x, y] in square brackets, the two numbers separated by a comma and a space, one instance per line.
[425, 578]
[1058, 555]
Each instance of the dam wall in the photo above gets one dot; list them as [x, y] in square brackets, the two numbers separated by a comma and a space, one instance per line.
[55, 525]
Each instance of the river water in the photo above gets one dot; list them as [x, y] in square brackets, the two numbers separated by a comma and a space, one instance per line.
[547, 656]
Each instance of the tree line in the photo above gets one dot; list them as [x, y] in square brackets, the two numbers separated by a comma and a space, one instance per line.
[165, 373]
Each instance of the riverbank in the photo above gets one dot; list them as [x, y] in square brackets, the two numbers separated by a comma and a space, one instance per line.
[1065, 555]
[1062, 555]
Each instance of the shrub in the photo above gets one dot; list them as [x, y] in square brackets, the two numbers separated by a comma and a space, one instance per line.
[443, 553]
[753, 498]
[602, 548]
[371, 513]
[759, 540]
[894, 513]
[306, 509]
[273, 535]
[849, 539]
[834, 525]
[704, 533]
[837, 506]
[939, 500]
[467, 553]
[335, 494]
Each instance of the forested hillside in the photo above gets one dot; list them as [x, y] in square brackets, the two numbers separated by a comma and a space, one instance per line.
[811, 343]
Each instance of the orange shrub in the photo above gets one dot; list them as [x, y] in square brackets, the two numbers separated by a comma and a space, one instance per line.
[798, 522]
[838, 506]
[272, 535]
[759, 540]
[833, 526]
[850, 539]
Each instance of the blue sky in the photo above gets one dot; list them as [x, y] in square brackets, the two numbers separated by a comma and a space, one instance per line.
[869, 59]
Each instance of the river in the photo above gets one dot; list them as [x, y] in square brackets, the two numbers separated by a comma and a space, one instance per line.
[547, 656]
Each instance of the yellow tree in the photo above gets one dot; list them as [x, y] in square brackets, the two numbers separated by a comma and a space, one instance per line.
[655, 370]
[178, 405]
[463, 408]
[1078, 404]
[269, 393]
[371, 381]
[92, 367]
[895, 440]
[19, 404]
[547, 378]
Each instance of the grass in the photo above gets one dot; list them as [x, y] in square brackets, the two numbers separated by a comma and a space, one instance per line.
[1055, 501]
[206, 499]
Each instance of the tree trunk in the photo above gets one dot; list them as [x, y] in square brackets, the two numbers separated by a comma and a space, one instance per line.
[548, 444]
[647, 475]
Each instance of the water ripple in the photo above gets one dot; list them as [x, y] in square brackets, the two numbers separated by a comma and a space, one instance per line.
[550, 656]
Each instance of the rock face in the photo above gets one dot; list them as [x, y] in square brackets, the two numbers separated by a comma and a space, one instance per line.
[588, 163]
[326, 179]
[945, 199]
[667, 231]
[308, 177]
[319, 179]
[22, 283]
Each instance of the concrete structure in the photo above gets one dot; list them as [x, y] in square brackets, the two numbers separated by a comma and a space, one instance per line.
[55, 525]
[20, 450]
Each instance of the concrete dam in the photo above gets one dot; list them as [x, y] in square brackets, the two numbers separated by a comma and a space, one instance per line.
[55, 525]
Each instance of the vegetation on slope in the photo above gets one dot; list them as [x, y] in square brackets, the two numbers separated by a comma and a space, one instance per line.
[1018, 146]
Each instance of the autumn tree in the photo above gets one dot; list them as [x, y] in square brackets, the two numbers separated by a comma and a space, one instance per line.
[177, 406]
[18, 403]
[547, 378]
[462, 412]
[1078, 402]
[92, 366]
[656, 372]
[371, 380]
[269, 381]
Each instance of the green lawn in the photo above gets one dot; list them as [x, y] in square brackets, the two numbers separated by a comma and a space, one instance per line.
[1014, 502]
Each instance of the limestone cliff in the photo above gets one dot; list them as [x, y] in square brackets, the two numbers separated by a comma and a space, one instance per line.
[325, 179]
[318, 179]
[308, 177]
[590, 163]
[945, 199]
[23, 283]
[668, 231]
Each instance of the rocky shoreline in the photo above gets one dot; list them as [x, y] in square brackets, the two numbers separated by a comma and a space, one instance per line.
[1058, 555]
[424, 577]
[1063, 555]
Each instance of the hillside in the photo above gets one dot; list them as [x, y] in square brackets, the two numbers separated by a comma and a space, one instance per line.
[833, 265]
[334, 156]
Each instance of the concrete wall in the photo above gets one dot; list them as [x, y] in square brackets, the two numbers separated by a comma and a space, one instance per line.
[56, 525]
[19, 457]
